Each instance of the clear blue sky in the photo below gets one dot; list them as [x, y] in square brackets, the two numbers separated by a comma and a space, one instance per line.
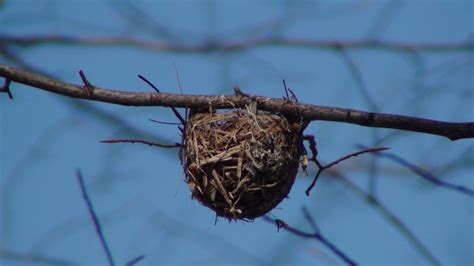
[138, 191]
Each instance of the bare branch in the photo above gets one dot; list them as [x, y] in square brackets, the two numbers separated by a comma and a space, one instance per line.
[316, 235]
[306, 111]
[94, 218]
[321, 167]
[87, 84]
[425, 174]
[135, 260]
[142, 142]
[390, 217]
[6, 88]
[232, 46]
[29, 258]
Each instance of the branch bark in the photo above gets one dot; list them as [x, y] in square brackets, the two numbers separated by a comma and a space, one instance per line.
[309, 112]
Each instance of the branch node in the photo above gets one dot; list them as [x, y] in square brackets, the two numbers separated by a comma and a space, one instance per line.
[280, 224]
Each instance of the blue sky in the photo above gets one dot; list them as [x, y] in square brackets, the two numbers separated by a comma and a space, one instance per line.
[138, 191]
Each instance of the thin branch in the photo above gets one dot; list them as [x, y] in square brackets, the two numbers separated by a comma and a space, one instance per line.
[97, 225]
[356, 74]
[142, 142]
[232, 46]
[306, 111]
[164, 122]
[135, 260]
[321, 167]
[390, 216]
[426, 174]
[87, 85]
[6, 88]
[32, 258]
[316, 235]
[176, 113]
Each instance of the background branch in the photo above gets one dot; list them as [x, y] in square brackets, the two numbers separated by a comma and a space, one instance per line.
[232, 46]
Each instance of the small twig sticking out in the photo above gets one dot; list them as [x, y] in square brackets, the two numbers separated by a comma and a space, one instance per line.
[177, 77]
[165, 123]
[288, 91]
[95, 219]
[176, 113]
[135, 260]
[321, 168]
[6, 88]
[238, 91]
[183, 137]
[87, 85]
[316, 234]
[425, 174]
[180, 88]
[142, 142]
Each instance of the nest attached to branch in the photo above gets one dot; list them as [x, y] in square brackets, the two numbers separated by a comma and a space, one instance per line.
[241, 163]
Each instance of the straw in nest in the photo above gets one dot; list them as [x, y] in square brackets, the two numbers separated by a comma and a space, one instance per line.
[241, 163]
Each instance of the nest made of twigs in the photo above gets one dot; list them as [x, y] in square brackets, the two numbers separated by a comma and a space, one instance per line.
[241, 163]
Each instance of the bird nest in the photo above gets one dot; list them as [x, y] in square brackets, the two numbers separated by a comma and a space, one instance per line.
[241, 163]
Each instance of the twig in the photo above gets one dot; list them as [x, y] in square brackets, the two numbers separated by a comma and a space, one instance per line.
[321, 167]
[95, 219]
[135, 260]
[316, 235]
[176, 113]
[234, 46]
[425, 174]
[288, 91]
[6, 88]
[390, 216]
[142, 142]
[165, 123]
[308, 112]
[87, 85]
[356, 74]
[180, 89]
[35, 259]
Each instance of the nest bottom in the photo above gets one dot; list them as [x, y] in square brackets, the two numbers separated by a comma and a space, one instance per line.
[241, 164]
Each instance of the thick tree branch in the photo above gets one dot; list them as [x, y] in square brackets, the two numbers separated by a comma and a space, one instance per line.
[308, 112]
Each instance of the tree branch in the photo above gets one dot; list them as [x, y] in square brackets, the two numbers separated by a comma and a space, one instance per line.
[315, 235]
[232, 46]
[309, 112]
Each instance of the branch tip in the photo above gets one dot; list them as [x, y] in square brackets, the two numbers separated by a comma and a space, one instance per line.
[6, 88]
[238, 91]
